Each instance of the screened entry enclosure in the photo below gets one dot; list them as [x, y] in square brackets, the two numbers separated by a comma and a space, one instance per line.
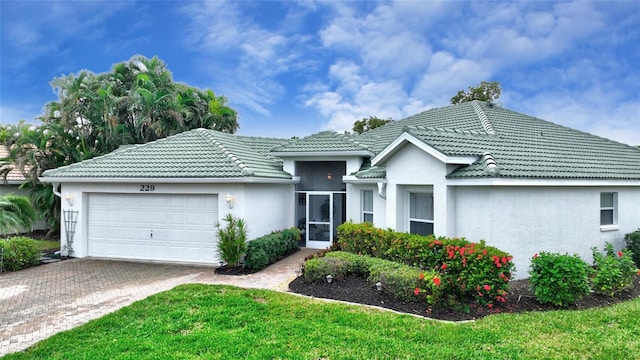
[320, 199]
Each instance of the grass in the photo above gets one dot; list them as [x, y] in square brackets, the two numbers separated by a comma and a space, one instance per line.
[43, 245]
[222, 322]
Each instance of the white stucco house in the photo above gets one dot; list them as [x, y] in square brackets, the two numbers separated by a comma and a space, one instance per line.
[473, 170]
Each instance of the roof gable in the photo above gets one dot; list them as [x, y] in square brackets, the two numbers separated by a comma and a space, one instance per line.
[518, 145]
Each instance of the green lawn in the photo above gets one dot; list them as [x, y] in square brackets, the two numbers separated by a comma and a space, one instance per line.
[223, 322]
[47, 244]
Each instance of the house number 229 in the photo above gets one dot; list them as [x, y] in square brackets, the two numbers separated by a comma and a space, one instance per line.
[147, 187]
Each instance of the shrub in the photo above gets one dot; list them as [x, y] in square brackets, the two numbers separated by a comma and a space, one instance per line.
[401, 281]
[466, 269]
[270, 248]
[232, 240]
[559, 280]
[633, 245]
[612, 272]
[18, 253]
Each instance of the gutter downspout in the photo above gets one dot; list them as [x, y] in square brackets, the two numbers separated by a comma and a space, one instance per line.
[382, 187]
[55, 190]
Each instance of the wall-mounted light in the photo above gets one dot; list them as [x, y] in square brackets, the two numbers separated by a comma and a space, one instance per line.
[329, 176]
[229, 199]
[69, 197]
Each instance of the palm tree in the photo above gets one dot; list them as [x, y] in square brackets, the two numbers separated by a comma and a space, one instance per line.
[16, 214]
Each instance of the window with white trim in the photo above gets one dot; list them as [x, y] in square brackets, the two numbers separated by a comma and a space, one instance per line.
[421, 213]
[367, 206]
[608, 208]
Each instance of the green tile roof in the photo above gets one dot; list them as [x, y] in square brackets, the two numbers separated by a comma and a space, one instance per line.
[325, 141]
[197, 153]
[517, 145]
[507, 144]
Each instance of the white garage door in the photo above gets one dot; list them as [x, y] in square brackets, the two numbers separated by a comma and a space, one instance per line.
[153, 227]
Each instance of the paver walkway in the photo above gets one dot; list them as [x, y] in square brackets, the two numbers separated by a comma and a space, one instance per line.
[39, 302]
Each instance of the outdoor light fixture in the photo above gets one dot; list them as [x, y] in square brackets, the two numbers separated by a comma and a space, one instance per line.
[69, 197]
[378, 286]
[329, 176]
[329, 279]
[229, 199]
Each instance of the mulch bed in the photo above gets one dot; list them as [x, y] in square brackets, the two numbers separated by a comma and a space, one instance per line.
[520, 299]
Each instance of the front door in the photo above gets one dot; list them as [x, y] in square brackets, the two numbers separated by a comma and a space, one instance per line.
[319, 227]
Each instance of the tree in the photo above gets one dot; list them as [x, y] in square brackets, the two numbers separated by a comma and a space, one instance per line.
[16, 214]
[370, 123]
[136, 102]
[486, 91]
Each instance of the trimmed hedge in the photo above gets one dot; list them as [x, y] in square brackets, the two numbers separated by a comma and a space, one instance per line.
[268, 249]
[18, 253]
[558, 279]
[404, 282]
[466, 269]
[633, 244]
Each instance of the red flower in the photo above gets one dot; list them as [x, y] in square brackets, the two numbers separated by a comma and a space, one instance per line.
[444, 266]
[484, 251]
[620, 253]
[436, 281]
[504, 260]
[416, 292]
[489, 306]
[421, 276]
[535, 256]
[487, 287]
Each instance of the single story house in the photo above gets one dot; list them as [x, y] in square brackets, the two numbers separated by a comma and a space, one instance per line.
[473, 170]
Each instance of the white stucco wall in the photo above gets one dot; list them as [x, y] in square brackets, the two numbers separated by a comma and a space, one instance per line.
[265, 207]
[411, 169]
[354, 211]
[527, 220]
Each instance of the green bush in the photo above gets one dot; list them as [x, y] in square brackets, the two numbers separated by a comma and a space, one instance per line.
[18, 253]
[612, 272]
[633, 245]
[559, 280]
[401, 281]
[466, 269]
[232, 240]
[270, 248]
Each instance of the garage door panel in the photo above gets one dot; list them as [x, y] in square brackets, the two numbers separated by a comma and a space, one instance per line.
[183, 227]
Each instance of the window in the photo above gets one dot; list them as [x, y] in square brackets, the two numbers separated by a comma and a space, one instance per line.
[608, 211]
[421, 213]
[367, 206]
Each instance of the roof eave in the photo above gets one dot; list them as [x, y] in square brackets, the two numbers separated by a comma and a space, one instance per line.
[177, 180]
[321, 153]
[503, 181]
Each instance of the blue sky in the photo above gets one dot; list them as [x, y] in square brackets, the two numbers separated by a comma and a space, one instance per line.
[298, 67]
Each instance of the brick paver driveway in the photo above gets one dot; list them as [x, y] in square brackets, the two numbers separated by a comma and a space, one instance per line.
[39, 302]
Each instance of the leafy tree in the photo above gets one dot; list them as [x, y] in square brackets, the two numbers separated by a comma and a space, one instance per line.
[370, 123]
[136, 102]
[486, 91]
[16, 213]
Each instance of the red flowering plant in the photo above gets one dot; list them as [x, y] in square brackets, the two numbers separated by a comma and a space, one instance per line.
[429, 288]
[461, 264]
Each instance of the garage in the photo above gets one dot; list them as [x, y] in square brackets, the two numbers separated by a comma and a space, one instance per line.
[164, 227]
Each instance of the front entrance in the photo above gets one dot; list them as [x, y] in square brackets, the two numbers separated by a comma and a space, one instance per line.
[319, 215]
[319, 220]
[321, 201]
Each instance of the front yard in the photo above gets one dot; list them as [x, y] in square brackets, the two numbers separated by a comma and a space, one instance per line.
[222, 322]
